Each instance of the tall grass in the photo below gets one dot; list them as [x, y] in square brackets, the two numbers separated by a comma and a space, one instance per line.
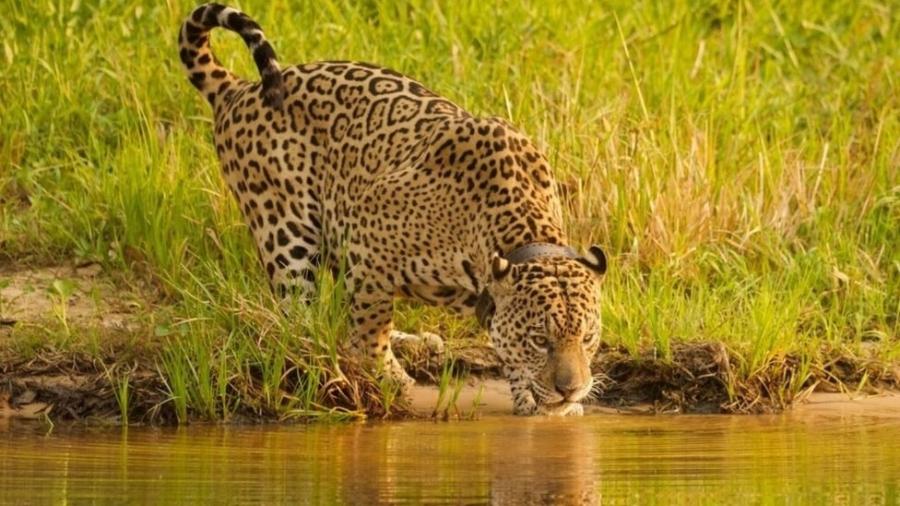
[738, 160]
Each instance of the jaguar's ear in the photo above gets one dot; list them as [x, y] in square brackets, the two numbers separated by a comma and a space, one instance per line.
[500, 267]
[595, 259]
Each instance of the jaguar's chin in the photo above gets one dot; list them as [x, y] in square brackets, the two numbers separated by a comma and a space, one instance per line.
[564, 408]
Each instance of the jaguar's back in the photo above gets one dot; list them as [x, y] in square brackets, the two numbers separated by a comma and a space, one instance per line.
[298, 170]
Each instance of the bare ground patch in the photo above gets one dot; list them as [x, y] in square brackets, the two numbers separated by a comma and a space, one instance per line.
[46, 368]
[76, 296]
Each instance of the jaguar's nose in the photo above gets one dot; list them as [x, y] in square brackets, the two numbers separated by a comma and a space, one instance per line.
[571, 376]
[566, 385]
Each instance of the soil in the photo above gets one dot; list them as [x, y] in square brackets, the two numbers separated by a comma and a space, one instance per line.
[827, 404]
[697, 378]
[45, 301]
[35, 295]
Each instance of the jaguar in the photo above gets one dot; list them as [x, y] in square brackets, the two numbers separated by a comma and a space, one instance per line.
[348, 163]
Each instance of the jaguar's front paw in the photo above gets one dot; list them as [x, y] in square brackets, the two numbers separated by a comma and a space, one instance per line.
[524, 403]
[432, 342]
[572, 409]
[393, 371]
[562, 409]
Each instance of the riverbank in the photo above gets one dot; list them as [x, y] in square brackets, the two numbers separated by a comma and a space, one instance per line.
[77, 347]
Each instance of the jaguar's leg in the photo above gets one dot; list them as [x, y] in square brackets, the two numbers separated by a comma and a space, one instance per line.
[288, 245]
[524, 403]
[370, 334]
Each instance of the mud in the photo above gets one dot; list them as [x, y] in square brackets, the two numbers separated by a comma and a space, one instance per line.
[76, 387]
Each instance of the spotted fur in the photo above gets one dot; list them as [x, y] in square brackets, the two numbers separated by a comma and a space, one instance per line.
[347, 161]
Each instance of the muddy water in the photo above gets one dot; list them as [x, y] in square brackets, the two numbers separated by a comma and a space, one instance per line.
[505, 460]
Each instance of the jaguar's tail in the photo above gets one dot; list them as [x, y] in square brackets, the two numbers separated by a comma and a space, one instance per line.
[205, 71]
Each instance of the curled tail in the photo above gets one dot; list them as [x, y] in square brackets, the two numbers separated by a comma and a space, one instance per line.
[205, 71]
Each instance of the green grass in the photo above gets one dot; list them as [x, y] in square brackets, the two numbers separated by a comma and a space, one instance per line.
[739, 161]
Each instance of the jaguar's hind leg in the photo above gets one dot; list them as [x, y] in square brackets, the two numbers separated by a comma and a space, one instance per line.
[287, 238]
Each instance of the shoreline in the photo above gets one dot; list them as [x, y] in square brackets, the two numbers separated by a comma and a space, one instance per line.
[495, 400]
[481, 398]
[84, 340]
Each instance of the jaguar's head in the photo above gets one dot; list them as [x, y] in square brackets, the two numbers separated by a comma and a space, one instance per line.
[543, 316]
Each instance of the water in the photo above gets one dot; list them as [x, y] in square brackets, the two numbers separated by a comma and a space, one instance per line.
[610, 459]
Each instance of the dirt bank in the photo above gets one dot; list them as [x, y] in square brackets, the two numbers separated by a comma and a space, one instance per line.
[42, 373]
[69, 386]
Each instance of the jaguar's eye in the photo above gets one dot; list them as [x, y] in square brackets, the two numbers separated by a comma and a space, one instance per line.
[589, 338]
[540, 341]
